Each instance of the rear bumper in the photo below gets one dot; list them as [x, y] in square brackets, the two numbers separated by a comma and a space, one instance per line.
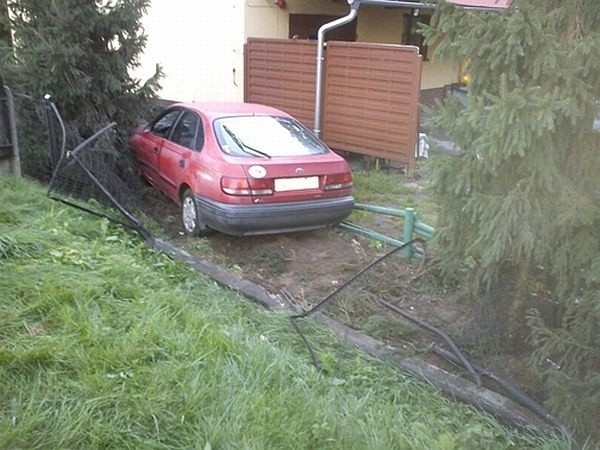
[244, 220]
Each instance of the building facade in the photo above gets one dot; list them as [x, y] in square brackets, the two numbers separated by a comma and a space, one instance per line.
[200, 43]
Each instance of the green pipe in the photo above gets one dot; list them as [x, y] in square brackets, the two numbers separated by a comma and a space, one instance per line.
[409, 228]
[421, 228]
[380, 210]
[355, 228]
[424, 229]
[370, 233]
[412, 226]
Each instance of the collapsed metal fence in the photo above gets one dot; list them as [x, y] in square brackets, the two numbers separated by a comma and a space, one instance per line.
[91, 177]
[89, 174]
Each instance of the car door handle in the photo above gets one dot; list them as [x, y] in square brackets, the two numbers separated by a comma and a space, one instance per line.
[181, 163]
[155, 150]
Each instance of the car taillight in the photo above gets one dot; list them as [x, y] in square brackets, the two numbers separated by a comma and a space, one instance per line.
[245, 187]
[338, 181]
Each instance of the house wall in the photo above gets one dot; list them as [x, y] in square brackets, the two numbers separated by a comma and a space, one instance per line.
[380, 25]
[199, 44]
[265, 20]
[385, 26]
[374, 24]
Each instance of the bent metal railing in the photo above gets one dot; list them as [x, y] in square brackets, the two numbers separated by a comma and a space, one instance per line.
[88, 178]
[412, 227]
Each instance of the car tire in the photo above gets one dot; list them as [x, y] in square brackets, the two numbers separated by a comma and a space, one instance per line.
[191, 216]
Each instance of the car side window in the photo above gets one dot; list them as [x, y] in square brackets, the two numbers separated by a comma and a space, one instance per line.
[162, 126]
[186, 130]
[200, 136]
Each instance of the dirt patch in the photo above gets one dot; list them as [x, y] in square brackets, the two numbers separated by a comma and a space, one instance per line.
[310, 265]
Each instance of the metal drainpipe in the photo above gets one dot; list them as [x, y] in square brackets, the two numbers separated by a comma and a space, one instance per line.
[320, 58]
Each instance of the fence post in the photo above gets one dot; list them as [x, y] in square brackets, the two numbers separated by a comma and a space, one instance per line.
[409, 227]
[52, 136]
[9, 148]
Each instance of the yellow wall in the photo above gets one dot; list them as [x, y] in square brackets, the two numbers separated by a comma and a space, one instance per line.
[198, 43]
[264, 20]
[436, 74]
[317, 7]
[384, 25]
[380, 25]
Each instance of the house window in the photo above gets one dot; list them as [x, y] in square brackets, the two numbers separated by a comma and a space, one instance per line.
[411, 35]
[306, 26]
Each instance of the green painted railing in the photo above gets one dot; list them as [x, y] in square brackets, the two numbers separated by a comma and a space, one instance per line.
[412, 226]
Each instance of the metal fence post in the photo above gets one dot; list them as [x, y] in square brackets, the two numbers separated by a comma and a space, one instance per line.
[52, 135]
[8, 143]
[16, 160]
[409, 227]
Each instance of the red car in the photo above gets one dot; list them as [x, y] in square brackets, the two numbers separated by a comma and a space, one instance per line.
[243, 169]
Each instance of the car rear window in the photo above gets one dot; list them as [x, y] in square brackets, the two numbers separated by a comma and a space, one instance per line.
[266, 136]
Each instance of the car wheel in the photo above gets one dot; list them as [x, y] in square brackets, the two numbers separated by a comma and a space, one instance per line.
[191, 217]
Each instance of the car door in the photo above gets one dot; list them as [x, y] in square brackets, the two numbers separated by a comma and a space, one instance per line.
[151, 141]
[177, 151]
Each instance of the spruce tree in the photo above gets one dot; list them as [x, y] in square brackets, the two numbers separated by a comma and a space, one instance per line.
[81, 52]
[5, 35]
[520, 206]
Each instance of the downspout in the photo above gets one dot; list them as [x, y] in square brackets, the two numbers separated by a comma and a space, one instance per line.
[320, 58]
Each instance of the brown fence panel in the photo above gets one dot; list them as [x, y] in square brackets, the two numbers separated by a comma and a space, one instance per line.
[371, 91]
[281, 73]
[371, 99]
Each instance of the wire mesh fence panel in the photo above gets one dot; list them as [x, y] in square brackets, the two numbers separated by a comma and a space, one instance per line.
[98, 178]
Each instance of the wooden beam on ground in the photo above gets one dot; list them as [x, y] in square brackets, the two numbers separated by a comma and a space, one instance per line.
[465, 391]
[248, 289]
[454, 386]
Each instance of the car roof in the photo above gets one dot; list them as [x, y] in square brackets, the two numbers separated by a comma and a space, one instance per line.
[226, 109]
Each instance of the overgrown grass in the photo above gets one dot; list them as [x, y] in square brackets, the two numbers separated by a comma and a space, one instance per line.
[106, 344]
[380, 187]
[394, 190]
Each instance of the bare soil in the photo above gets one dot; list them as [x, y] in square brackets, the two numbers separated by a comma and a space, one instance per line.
[310, 265]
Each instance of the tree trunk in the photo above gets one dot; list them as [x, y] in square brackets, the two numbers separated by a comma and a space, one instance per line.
[517, 328]
[5, 34]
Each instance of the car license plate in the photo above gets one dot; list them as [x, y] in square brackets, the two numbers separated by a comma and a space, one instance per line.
[296, 184]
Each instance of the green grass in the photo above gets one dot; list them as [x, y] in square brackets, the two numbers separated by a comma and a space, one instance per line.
[106, 344]
[394, 190]
[380, 187]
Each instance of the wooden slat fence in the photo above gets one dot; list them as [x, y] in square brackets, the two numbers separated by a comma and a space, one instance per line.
[371, 92]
